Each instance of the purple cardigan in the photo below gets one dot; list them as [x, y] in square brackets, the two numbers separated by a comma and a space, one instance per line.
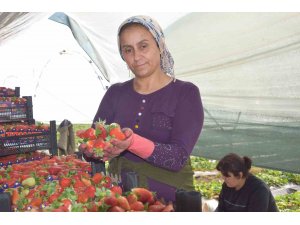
[171, 117]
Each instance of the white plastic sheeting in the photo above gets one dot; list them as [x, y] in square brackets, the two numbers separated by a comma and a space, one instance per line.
[247, 68]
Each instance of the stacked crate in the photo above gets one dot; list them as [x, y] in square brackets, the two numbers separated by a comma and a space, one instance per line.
[18, 132]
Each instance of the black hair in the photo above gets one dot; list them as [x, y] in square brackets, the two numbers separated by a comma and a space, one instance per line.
[233, 163]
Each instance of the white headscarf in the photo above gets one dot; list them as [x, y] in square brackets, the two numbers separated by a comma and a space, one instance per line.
[166, 60]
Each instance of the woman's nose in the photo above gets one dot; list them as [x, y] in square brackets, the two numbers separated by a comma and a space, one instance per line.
[137, 55]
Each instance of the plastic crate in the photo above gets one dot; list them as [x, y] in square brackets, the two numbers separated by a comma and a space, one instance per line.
[8, 92]
[10, 112]
[31, 142]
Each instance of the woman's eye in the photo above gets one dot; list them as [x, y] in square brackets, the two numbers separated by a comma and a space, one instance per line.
[127, 50]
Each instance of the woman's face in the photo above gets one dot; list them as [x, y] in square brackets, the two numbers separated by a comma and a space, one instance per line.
[140, 50]
[233, 181]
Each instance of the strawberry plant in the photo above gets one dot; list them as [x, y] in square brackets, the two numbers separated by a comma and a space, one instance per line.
[289, 202]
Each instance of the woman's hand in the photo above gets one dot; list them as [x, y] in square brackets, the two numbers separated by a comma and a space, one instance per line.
[118, 146]
[88, 152]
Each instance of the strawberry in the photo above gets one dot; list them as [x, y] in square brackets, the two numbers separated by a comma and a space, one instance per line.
[82, 198]
[106, 182]
[65, 182]
[86, 181]
[78, 184]
[80, 133]
[168, 208]
[36, 202]
[92, 207]
[116, 209]
[61, 208]
[54, 170]
[110, 200]
[53, 197]
[156, 208]
[15, 196]
[90, 134]
[90, 191]
[42, 173]
[116, 132]
[143, 194]
[116, 189]
[137, 206]
[66, 202]
[101, 130]
[131, 198]
[123, 203]
[98, 147]
[97, 178]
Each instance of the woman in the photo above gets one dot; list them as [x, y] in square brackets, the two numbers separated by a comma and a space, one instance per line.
[242, 191]
[162, 116]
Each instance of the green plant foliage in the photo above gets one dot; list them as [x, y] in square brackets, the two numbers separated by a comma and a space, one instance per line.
[278, 178]
[202, 164]
[209, 190]
[288, 202]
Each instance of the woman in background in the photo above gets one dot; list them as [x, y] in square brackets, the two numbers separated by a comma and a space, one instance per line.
[242, 191]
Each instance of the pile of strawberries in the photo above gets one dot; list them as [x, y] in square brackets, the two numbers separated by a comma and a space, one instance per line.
[65, 184]
[94, 140]
[5, 101]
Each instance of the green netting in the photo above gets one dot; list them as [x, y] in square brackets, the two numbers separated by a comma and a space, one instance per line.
[270, 146]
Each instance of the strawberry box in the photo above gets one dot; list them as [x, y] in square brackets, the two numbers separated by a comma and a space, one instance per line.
[14, 109]
[23, 142]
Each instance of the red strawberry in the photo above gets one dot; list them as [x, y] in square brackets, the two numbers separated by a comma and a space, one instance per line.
[137, 206]
[80, 133]
[54, 170]
[110, 200]
[90, 191]
[86, 181]
[116, 209]
[65, 182]
[123, 203]
[78, 184]
[156, 208]
[131, 198]
[66, 202]
[42, 173]
[100, 129]
[144, 195]
[15, 196]
[116, 132]
[92, 207]
[116, 189]
[106, 182]
[53, 197]
[36, 202]
[168, 208]
[90, 134]
[82, 198]
[98, 147]
[97, 178]
[62, 208]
